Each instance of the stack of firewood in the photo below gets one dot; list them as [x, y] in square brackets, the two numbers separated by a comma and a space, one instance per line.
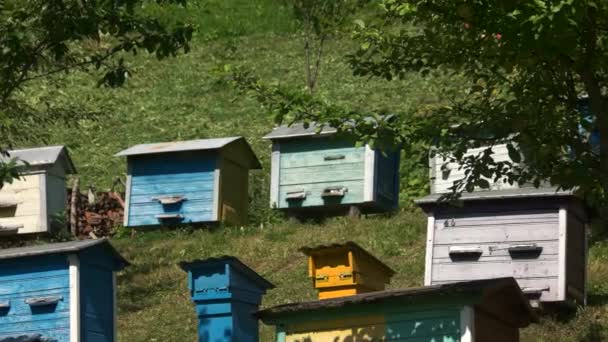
[95, 213]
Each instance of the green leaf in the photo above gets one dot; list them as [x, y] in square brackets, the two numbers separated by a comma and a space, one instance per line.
[514, 154]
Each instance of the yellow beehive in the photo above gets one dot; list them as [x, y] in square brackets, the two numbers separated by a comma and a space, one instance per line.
[340, 270]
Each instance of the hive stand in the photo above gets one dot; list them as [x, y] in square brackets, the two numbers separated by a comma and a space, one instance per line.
[226, 294]
[345, 269]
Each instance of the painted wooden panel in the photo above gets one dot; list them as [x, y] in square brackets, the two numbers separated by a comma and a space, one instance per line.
[322, 173]
[549, 284]
[440, 325]
[495, 251]
[318, 152]
[387, 178]
[497, 269]
[165, 175]
[314, 190]
[576, 263]
[56, 198]
[26, 193]
[97, 307]
[234, 199]
[443, 177]
[25, 278]
[521, 233]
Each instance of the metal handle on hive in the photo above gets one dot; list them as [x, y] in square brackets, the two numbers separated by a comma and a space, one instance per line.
[334, 157]
[172, 199]
[296, 195]
[338, 191]
[41, 301]
[169, 216]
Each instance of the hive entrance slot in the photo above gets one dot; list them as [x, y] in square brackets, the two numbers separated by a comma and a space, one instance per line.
[525, 251]
[465, 253]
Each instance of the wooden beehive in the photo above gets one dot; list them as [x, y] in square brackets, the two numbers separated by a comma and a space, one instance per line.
[195, 181]
[226, 293]
[345, 269]
[482, 310]
[65, 292]
[34, 202]
[314, 169]
[535, 235]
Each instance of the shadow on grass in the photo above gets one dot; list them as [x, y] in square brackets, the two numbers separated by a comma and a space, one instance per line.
[593, 334]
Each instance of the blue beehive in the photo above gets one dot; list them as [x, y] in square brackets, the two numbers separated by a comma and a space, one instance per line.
[63, 292]
[315, 168]
[226, 293]
[193, 181]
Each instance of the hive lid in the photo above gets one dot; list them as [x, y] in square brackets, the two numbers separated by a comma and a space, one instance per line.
[296, 130]
[43, 156]
[501, 194]
[490, 290]
[232, 261]
[61, 247]
[349, 245]
[299, 130]
[190, 145]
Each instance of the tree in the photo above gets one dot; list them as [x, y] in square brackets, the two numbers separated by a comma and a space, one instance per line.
[524, 67]
[40, 38]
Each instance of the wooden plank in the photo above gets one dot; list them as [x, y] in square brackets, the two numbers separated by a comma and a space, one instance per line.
[189, 195]
[497, 234]
[467, 324]
[353, 195]
[563, 253]
[275, 174]
[496, 251]
[173, 178]
[172, 189]
[549, 283]
[486, 270]
[370, 175]
[430, 242]
[493, 219]
[323, 173]
[74, 285]
[322, 158]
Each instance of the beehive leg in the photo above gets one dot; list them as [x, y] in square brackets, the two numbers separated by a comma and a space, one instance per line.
[354, 212]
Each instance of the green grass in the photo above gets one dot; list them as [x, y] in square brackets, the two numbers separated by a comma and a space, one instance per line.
[184, 98]
[154, 302]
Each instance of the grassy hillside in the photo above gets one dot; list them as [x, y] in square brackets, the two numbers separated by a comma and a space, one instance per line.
[154, 303]
[184, 98]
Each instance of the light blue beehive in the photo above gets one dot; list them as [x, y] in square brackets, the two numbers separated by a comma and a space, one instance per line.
[63, 292]
[314, 168]
[226, 294]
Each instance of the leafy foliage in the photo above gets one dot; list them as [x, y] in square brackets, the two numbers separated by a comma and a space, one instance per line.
[39, 38]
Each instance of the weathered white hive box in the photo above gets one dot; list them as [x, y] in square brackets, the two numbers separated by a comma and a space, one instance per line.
[536, 236]
[444, 173]
[31, 204]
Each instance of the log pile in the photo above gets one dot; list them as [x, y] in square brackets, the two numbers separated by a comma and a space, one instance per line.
[94, 214]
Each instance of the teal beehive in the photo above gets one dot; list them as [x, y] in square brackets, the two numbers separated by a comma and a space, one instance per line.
[316, 169]
[226, 294]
